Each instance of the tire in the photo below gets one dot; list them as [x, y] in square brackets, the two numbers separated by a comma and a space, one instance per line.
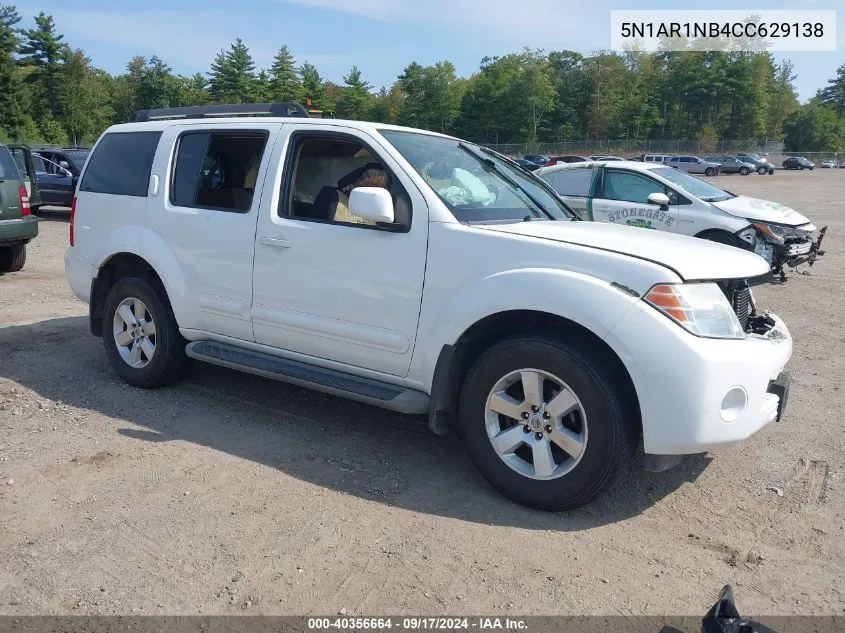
[160, 357]
[12, 258]
[607, 427]
[709, 172]
[763, 171]
[744, 171]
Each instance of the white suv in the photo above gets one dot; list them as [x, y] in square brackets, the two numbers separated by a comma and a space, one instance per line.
[415, 272]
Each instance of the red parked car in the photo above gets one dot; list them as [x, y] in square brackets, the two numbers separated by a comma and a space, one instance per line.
[569, 158]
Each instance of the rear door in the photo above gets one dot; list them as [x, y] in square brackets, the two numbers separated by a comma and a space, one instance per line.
[206, 208]
[575, 187]
[23, 158]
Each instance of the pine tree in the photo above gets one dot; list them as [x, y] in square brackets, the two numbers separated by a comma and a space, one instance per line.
[312, 84]
[355, 100]
[232, 75]
[13, 112]
[284, 82]
[43, 48]
[834, 94]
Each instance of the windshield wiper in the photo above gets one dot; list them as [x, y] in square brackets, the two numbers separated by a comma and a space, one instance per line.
[532, 177]
[489, 162]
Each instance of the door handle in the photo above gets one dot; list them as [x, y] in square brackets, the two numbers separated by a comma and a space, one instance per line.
[273, 241]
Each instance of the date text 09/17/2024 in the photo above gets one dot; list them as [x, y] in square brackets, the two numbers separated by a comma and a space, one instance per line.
[417, 623]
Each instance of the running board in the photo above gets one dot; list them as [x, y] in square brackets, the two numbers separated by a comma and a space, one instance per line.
[374, 392]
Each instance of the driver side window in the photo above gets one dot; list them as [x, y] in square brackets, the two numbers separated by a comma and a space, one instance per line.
[630, 187]
[321, 172]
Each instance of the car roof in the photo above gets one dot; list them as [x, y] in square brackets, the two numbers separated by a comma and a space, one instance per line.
[163, 124]
[632, 165]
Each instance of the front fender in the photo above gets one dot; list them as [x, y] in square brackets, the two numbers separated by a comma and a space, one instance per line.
[592, 303]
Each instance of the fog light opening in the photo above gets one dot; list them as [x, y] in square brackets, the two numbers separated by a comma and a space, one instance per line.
[733, 404]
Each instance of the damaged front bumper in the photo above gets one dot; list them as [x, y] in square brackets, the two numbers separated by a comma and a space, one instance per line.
[793, 253]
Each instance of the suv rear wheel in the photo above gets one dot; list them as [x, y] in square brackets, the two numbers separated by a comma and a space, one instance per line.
[544, 424]
[12, 258]
[141, 336]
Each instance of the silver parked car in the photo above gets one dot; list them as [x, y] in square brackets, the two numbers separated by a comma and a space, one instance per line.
[693, 165]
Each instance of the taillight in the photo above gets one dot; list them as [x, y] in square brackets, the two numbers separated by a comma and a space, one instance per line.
[72, 214]
[24, 196]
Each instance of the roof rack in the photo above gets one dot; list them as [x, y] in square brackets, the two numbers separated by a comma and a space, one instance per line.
[284, 109]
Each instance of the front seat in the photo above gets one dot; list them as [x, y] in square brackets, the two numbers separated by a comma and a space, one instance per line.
[325, 204]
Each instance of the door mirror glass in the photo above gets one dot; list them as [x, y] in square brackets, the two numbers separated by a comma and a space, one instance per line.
[372, 203]
[660, 199]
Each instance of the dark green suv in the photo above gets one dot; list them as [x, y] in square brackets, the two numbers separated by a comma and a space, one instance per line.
[17, 224]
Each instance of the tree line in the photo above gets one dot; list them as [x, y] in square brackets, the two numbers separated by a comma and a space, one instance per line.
[51, 92]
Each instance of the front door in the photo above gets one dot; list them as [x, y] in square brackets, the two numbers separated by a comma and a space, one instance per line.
[328, 284]
[622, 198]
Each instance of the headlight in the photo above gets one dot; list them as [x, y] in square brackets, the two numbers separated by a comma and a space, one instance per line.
[778, 234]
[701, 309]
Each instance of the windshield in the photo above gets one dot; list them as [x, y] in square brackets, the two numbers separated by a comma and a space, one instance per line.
[692, 185]
[477, 185]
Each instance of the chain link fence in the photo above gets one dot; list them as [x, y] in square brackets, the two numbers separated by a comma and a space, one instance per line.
[773, 150]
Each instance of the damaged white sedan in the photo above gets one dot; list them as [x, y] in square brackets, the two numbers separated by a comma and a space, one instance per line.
[655, 196]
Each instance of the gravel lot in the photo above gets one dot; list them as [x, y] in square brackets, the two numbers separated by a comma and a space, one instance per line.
[234, 494]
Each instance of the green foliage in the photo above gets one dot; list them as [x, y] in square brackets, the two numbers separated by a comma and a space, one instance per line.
[284, 81]
[232, 76]
[13, 111]
[815, 127]
[355, 99]
[834, 94]
[312, 84]
[51, 93]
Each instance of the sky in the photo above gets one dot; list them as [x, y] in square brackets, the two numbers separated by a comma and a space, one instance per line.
[381, 37]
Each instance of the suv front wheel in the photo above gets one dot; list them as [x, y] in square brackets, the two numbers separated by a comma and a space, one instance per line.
[141, 336]
[544, 424]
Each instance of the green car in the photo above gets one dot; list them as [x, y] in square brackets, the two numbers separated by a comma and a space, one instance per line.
[17, 224]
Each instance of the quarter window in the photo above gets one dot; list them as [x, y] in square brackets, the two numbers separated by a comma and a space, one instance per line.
[217, 170]
[121, 164]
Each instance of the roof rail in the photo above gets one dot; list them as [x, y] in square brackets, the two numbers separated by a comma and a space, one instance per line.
[284, 109]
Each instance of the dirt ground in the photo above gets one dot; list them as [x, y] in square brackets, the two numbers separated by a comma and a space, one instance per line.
[233, 494]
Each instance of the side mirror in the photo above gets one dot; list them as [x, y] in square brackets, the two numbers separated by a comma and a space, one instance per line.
[660, 199]
[372, 203]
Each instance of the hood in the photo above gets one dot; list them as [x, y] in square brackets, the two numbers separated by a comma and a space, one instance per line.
[761, 210]
[692, 258]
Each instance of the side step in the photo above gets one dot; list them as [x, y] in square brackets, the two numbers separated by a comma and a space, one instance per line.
[331, 381]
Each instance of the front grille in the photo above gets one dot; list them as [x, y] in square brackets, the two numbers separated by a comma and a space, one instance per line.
[739, 296]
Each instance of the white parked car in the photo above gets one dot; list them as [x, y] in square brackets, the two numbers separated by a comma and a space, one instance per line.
[829, 164]
[416, 272]
[659, 197]
[694, 165]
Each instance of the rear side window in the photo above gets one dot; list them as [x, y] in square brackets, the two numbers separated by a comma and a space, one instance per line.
[121, 164]
[217, 170]
[8, 169]
[572, 182]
